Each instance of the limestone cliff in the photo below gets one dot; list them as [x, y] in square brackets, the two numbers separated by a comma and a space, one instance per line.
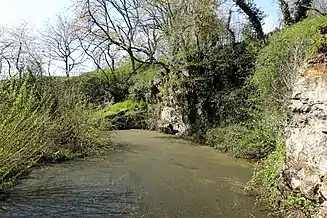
[305, 169]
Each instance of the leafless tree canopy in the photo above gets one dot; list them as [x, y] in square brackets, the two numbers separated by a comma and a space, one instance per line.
[117, 25]
[62, 44]
[19, 52]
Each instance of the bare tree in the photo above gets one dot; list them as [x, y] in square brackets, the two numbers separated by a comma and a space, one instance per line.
[5, 45]
[106, 57]
[61, 41]
[319, 7]
[121, 24]
[19, 52]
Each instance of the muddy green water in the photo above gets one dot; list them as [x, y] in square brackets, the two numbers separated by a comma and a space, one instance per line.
[155, 176]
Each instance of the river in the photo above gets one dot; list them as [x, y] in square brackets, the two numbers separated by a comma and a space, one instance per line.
[155, 175]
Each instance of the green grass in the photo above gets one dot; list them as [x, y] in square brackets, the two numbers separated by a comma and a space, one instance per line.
[127, 105]
[124, 115]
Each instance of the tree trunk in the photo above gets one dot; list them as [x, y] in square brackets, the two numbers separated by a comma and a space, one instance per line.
[66, 66]
[302, 8]
[287, 17]
[253, 17]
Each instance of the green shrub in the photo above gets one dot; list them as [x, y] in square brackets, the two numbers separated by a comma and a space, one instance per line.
[41, 122]
[95, 86]
[278, 64]
[277, 68]
[141, 90]
[106, 84]
[294, 203]
[264, 185]
[121, 106]
[128, 114]
[242, 141]
[266, 174]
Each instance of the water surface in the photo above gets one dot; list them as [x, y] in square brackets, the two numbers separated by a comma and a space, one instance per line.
[155, 176]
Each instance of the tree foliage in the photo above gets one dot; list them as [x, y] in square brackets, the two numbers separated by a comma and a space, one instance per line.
[298, 10]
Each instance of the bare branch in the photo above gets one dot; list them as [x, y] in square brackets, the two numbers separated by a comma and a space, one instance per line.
[62, 41]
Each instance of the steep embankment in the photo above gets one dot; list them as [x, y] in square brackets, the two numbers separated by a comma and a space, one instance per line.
[283, 79]
[306, 152]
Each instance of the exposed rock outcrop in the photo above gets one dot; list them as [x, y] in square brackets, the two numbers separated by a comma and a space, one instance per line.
[177, 108]
[171, 114]
[172, 121]
[306, 143]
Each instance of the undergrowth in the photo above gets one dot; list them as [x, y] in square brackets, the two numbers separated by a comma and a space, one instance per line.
[44, 122]
[128, 114]
[277, 68]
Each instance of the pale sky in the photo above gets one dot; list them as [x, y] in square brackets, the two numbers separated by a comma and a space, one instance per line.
[33, 12]
[270, 7]
[37, 12]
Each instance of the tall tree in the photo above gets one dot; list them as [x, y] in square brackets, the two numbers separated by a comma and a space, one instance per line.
[62, 42]
[285, 9]
[19, 52]
[118, 23]
[255, 16]
[301, 9]
[298, 10]
[189, 27]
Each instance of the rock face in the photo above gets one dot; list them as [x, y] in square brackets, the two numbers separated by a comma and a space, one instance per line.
[306, 144]
[171, 114]
[178, 109]
[172, 121]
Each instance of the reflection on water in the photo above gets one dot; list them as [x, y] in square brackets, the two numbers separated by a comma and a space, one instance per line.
[157, 176]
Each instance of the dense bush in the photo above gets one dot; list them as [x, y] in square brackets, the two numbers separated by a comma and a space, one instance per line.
[266, 174]
[216, 82]
[261, 131]
[128, 114]
[143, 88]
[278, 64]
[106, 86]
[242, 140]
[267, 90]
[42, 122]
